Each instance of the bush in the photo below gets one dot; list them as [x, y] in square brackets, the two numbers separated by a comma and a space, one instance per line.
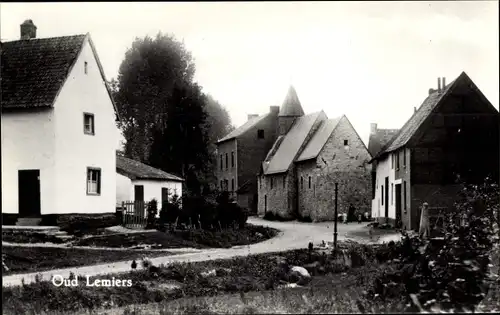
[207, 212]
[449, 273]
[275, 217]
[152, 211]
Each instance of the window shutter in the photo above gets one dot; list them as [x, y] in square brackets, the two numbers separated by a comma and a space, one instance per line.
[98, 175]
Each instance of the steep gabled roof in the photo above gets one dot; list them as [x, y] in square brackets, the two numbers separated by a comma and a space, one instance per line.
[290, 144]
[319, 139]
[33, 71]
[291, 105]
[379, 139]
[416, 120]
[137, 170]
[244, 128]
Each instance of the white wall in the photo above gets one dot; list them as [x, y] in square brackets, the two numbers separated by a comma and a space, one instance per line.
[384, 170]
[152, 189]
[28, 142]
[124, 189]
[75, 151]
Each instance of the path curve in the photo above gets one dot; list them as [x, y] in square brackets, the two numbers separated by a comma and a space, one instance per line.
[294, 235]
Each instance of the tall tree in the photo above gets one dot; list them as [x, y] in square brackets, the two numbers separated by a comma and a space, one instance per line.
[166, 120]
[219, 125]
[146, 80]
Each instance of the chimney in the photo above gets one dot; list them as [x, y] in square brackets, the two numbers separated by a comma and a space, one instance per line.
[250, 116]
[274, 109]
[414, 109]
[443, 82]
[28, 30]
[439, 84]
[373, 128]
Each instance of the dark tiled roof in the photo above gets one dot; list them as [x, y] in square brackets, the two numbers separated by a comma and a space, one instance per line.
[379, 139]
[33, 71]
[137, 170]
[319, 139]
[418, 118]
[290, 144]
[243, 128]
[291, 105]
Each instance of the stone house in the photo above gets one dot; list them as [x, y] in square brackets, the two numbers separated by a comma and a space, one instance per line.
[454, 134]
[310, 154]
[59, 133]
[240, 154]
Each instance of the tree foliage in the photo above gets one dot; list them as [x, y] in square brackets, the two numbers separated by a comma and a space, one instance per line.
[166, 119]
[451, 272]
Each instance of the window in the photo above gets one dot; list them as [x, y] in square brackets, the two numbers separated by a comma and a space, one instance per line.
[301, 182]
[392, 161]
[221, 165]
[404, 195]
[88, 124]
[392, 194]
[346, 142]
[85, 67]
[93, 181]
[227, 161]
[404, 157]
[260, 134]
[232, 184]
[382, 194]
[397, 160]
[309, 182]
[271, 183]
[232, 159]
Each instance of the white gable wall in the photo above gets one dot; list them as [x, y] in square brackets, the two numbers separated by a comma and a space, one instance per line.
[28, 142]
[383, 170]
[75, 150]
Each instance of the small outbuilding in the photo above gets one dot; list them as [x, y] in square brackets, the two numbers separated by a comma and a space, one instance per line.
[136, 181]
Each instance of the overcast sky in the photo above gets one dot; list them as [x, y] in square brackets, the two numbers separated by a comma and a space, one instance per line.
[373, 61]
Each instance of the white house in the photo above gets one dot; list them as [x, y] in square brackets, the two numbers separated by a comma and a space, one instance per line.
[136, 181]
[59, 133]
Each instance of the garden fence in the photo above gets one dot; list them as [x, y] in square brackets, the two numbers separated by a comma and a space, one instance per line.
[134, 214]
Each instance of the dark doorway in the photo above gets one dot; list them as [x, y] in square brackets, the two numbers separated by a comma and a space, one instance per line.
[164, 196]
[265, 204]
[29, 193]
[386, 201]
[398, 206]
[138, 192]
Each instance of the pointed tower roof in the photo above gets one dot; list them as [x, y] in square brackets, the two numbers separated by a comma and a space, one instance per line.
[291, 105]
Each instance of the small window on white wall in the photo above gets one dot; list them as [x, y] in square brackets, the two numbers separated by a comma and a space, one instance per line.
[88, 124]
[93, 181]
[85, 67]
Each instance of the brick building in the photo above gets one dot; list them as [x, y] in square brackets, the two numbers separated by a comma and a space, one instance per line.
[240, 154]
[454, 133]
[310, 154]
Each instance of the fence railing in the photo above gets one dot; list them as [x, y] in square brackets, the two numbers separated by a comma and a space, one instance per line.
[134, 214]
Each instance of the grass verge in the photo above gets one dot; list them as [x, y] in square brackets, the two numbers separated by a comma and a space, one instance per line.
[33, 259]
[238, 275]
[250, 234]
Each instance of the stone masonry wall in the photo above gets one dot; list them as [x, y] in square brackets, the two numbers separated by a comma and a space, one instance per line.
[347, 166]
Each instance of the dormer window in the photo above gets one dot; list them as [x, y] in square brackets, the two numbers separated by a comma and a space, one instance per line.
[85, 67]
[260, 134]
[88, 124]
